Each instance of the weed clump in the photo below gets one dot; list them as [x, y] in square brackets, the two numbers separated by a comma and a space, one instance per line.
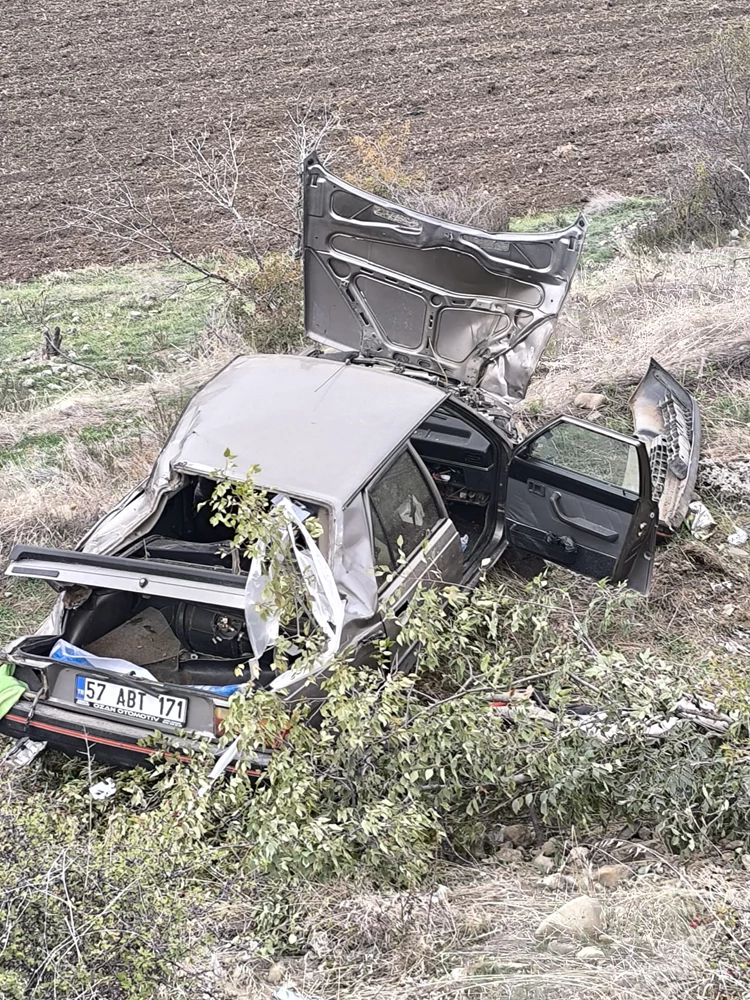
[709, 196]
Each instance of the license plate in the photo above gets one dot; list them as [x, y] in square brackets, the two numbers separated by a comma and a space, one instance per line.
[131, 703]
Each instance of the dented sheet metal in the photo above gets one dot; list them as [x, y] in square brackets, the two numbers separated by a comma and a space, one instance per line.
[667, 420]
[386, 282]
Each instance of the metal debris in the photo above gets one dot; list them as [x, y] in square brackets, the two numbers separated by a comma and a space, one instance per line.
[285, 993]
[702, 523]
[24, 751]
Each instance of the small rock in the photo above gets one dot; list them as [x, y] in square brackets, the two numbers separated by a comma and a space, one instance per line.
[733, 845]
[543, 864]
[519, 835]
[578, 856]
[549, 847]
[275, 974]
[558, 882]
[562, 947]
[611, 875]
[135, 313]
[508, 855]
[591, 954]
[581, 917]
[565, 150]
[590, 400]
[738, 537]
[737, 555]
[457, 974]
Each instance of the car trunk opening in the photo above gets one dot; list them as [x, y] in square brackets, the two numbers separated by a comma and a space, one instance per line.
[168, 610]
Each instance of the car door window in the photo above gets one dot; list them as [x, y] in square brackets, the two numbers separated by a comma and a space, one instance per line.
[404, 511]
[588, 452]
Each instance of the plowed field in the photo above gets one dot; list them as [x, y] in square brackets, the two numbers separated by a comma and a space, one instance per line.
[548, 99]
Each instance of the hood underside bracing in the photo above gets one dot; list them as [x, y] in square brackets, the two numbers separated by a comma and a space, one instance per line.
[475, 308]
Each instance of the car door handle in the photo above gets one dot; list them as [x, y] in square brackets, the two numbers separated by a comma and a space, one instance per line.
[597, 530]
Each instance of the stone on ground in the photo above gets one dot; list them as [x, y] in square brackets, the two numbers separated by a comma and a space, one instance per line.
[582, 918]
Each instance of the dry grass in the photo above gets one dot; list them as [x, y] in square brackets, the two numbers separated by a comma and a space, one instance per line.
[55, 504]
[53, 501]
[670, 935]
[687, 310]
[604, 200]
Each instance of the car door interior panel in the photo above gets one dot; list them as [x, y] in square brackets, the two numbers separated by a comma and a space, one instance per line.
[589, 537]
[581, 496]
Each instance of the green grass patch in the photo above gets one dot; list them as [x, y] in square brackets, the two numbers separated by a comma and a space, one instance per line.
[605, 228]
[46, 444]
[110, 318]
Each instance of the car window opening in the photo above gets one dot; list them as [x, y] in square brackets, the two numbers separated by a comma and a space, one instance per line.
[403, 510]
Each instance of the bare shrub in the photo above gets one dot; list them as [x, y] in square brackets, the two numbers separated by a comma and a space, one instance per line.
[379, 166]
[258, 266]
[710, 188]
[703, 204]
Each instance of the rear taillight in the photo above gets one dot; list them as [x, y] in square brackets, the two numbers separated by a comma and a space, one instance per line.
[221, 713]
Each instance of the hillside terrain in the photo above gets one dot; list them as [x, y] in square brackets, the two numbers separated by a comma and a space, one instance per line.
[77, 432]
[157, 890]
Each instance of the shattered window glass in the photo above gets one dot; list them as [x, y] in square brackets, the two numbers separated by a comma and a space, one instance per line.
[588, 452]
[403, 507]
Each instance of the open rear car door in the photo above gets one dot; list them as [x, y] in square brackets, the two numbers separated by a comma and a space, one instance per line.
[580, 495]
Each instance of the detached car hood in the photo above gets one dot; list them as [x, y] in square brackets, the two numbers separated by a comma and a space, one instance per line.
[386, 282]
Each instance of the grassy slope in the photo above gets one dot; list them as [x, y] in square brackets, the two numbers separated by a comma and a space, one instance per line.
[121, 324]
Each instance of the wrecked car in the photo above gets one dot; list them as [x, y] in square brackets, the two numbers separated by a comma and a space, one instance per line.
[394, 432]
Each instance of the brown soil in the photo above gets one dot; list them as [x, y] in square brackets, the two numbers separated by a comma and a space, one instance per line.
[547, 99]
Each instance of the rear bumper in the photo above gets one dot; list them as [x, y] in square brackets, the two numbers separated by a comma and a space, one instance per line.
[111, 742]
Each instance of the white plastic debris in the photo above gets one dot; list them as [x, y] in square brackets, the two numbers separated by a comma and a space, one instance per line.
[224, 761]
[23, 752]
[326, 604]
[66, 652]
[738, 537]
[662, 728]
[103, 790]
[285, 993]
[702, 523]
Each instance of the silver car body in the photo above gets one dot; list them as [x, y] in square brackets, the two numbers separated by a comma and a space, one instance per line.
[441, 327]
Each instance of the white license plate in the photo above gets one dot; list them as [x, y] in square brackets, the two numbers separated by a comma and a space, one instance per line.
[130, 702]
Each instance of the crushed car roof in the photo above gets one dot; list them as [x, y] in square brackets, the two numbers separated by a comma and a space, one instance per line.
[318, 428]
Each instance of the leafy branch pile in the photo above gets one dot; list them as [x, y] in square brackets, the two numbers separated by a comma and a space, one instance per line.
[390, 772]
